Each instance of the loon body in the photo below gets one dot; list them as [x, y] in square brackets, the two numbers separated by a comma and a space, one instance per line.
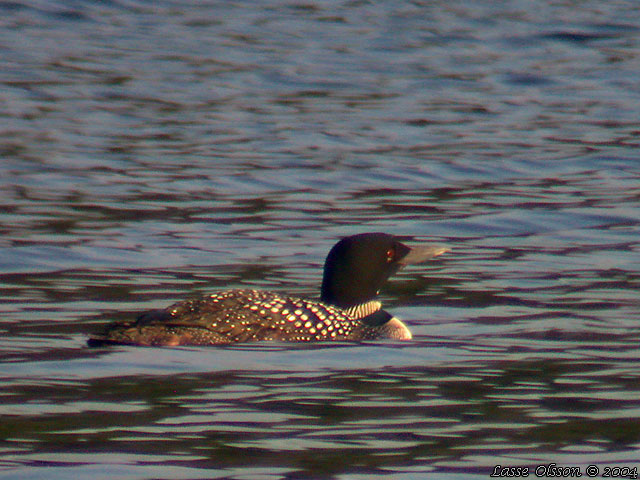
[354, 271]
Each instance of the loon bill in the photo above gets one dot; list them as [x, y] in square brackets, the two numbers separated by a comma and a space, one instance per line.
[354, 271]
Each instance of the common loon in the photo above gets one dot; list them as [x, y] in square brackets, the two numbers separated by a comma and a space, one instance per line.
[354, 271]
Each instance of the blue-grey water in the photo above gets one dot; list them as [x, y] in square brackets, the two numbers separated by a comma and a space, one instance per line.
[153, 151]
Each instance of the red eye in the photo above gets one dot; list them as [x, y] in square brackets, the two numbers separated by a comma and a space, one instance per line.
[390, 254]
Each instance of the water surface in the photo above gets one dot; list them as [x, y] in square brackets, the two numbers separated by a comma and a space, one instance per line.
[153, 151]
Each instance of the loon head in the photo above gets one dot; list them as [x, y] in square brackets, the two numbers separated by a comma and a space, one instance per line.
[358, 266]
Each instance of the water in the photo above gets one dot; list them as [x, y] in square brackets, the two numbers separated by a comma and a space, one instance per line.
[155, 151]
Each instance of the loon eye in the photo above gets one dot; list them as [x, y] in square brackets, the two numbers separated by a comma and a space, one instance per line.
[391, 253]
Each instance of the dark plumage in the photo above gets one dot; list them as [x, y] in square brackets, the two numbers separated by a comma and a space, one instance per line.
[354, 271]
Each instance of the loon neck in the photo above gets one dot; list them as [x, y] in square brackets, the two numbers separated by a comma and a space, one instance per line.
[342, 293]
